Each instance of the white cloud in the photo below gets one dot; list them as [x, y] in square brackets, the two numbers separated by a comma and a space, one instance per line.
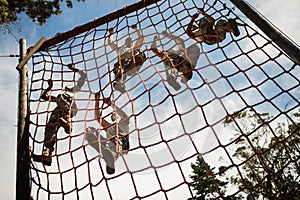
[8, 122]
[284, 15]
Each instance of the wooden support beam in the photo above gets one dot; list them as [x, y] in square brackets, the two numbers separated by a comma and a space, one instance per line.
[28, 55]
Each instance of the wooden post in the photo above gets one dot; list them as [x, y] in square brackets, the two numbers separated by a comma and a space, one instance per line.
[22, 177]
[29, 54]
[285, 44]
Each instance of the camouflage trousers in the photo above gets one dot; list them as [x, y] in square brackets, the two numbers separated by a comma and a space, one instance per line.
[58, 118]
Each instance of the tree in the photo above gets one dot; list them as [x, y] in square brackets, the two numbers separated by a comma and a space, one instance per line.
[206, 185]
[37, 10]
[270, 153]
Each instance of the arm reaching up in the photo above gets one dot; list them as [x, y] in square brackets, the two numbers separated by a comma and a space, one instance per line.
[154, 48]
[190, 27]
[178, 40]
[140, 40]
[210, 18]
[112, 44]
[45, 95]
[80, 81]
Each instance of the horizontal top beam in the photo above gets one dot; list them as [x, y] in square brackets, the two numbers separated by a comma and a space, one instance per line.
[97, 22]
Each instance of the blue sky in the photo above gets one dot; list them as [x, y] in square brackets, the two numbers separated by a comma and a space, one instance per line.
[285, 18]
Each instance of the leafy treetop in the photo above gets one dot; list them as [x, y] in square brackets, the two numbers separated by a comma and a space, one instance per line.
[37, 10]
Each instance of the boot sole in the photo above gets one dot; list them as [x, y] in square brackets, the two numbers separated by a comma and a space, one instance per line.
[46, 160]
[109, 160]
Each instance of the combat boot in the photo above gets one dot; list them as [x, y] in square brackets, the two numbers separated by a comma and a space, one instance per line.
[45, 158]
[109, 157]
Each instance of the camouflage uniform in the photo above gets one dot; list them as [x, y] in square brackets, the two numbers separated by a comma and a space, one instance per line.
[116, 141]
[110, 140]
[130, 60]
[60, 117]
[123, 139]
[127, 66]
[211, 34]
[184, 63]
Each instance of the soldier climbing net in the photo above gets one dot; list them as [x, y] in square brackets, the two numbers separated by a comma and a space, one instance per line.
[168, 128]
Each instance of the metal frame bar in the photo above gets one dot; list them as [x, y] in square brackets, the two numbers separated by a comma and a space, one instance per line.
[270, 30]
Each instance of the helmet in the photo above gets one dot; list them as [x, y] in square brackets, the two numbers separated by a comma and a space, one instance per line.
[68, 91]
[221, 22]
[68, 88]
[128, 42]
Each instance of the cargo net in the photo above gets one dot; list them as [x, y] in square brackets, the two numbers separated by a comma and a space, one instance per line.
[181, 116]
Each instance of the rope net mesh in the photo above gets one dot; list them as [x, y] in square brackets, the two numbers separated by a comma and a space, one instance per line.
[167, 127]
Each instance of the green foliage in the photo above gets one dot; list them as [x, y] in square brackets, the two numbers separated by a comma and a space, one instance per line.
[37, 10]
[270, 153]
[205, 183]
